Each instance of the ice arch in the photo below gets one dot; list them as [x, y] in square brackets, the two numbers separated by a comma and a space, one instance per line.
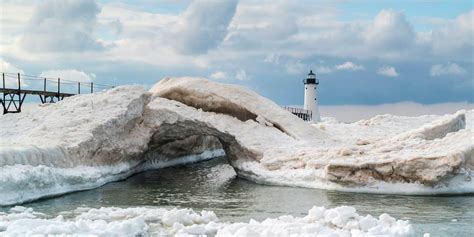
[88, 140]
[175, 139]
[246, 124]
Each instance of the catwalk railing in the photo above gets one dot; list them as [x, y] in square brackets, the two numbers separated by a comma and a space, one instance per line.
[304, 114]
[16, 86]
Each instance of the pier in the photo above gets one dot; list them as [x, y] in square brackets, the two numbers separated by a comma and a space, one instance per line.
[52, 90]
[304, 114]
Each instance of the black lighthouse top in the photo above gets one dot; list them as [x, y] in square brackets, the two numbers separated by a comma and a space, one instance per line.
[311, 78]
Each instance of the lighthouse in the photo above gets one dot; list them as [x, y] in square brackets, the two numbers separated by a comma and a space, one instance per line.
[311, 100]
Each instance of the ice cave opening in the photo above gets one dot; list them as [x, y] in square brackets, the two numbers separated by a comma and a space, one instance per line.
[196, 140]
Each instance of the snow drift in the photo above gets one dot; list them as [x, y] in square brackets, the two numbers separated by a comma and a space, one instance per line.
[143, 221]
[88, 140]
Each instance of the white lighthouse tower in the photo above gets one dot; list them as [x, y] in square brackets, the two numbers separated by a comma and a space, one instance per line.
[311, 100]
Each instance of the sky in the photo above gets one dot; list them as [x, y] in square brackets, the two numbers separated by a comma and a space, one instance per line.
[364, 52]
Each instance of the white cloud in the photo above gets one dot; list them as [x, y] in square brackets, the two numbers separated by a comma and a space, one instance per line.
[272, 58]
[241, 75]
[389, 31]
[454, 38]
[180, 40]
[296, 29]
[10, 78]
[69, 75]
[130, 22]
[296, 67]
[346, 66]
[269, 22]
[213, 35]
[12, 23]
[349, 66]
[218, 75]
[10, 68]
[388, 71]
[203, 26]
[323, 69]
[447, 69]
[62, 26]
[389, 35]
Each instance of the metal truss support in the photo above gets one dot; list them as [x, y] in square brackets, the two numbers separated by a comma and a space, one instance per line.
[50, 98]
[12, 102]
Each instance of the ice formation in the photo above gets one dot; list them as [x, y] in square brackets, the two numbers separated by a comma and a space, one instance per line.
[111, 221]
[88, 140]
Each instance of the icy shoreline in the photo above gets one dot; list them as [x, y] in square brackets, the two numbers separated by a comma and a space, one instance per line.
[24, 183]
[88, 140]
[111, 221]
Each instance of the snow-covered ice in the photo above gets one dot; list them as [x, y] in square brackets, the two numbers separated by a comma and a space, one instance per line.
[138, 221]
[88, 140]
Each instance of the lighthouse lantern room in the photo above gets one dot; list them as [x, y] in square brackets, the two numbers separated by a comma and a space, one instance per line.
[311, 100]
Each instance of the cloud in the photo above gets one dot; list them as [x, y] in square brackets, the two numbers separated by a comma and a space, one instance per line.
[203, 26]
[389, 31]
[296, 29]
[62, 26]
[387, 71]
[218, 75]
[12, 24]
[241, 75]
[269, 39]
[454, 38]
[10, 68]
[262, 24]
[447, 69]
[10, 78]
[349, 66]
[323, 69]
[272, 58]
[126, 21]
[69, 75]
[296, 67]
[346, 66]
[234, 31]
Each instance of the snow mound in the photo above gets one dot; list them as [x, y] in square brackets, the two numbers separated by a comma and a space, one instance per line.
[232, 100]
[86, 141]
[111, 221]
[438, 129]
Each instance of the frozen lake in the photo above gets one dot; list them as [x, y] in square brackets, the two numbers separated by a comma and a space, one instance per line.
[213, 185]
